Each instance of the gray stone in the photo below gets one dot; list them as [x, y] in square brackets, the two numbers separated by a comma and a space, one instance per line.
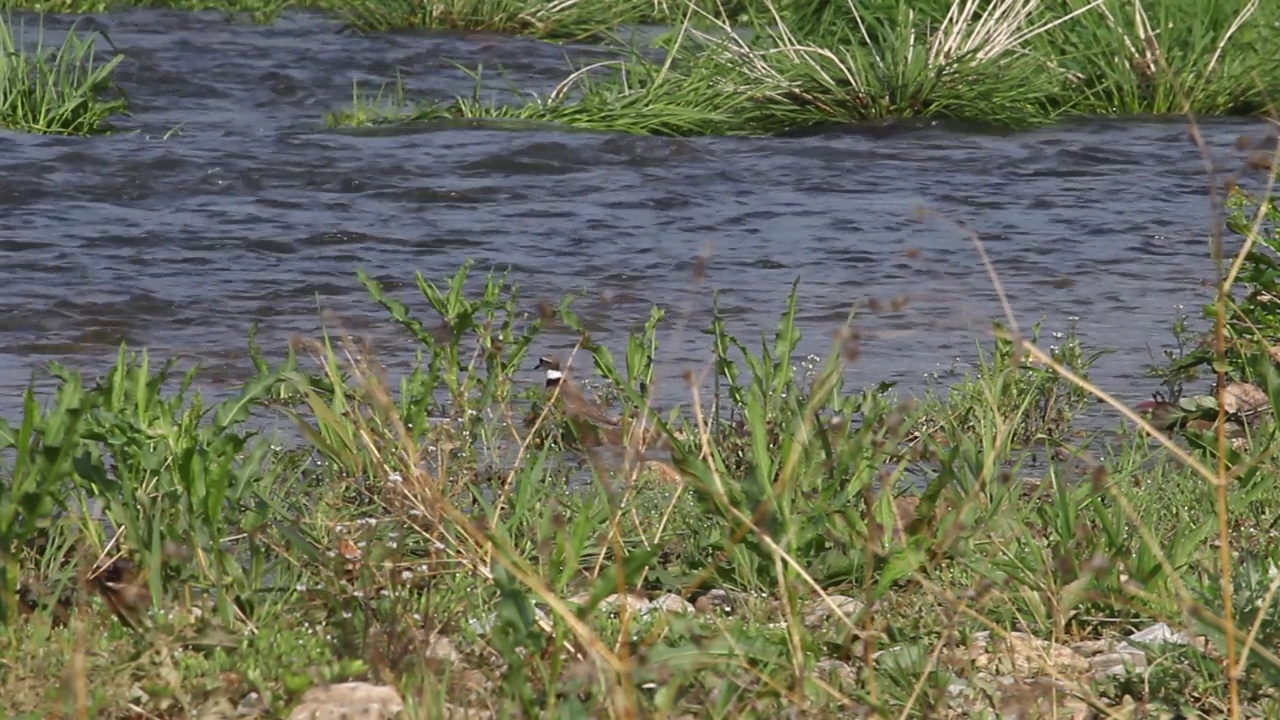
[1019, 655]
[716, 601]
[458, 712]
[1004, 697]
[441, 649]
[1089, 648]
[671, 603]
[1160, 634]
[841, 672]
[1121, 661]
[251, 705]
[831, 607]
[349, 701]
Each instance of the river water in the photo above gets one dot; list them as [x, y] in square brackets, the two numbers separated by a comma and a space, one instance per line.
[226, 201]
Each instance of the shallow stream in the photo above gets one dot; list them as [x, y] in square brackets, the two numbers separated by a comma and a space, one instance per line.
[229, 202]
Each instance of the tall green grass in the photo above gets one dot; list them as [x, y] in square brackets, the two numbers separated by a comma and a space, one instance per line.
[637, 98]
[1211, 58]
[788, 64]
[550, 19]
[61, 90]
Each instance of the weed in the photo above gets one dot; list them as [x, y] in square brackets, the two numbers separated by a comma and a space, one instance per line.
[57, 91]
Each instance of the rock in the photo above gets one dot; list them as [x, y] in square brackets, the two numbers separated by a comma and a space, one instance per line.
[637, 604]
[1160, 634]
[1008, 698]
[1111, 658]
[349, 701]
[614, 603]
[716, 601]
[1020, 677]
[671, 603]
[1042, 698]
[840, 674]
[457, 712]
[1121, 661]
[821, 610]
[251, 705]
[442, 650]
[1244, 398]
[217, 709]
[1089, 648]
[1019, 655]
[1114, 658]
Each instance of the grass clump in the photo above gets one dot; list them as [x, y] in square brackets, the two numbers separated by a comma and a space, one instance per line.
[1169, 57]
[55, 91]
[568, 20]
[792, 64]
[261, 11]
[648, 102]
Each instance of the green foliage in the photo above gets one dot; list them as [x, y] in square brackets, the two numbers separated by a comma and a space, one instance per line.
[44, 446]
[1011, 394]
[1252, 321]
[55, 91]
[571, 20]
[1154, 58]
[260, 11]
[630, 96]
[780, 65]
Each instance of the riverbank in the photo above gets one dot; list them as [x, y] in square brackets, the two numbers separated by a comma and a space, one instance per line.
[467, 545]
[790, 65]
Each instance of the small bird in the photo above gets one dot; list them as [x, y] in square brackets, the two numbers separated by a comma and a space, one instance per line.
[574, 401]
[587, 424]
[126, 591]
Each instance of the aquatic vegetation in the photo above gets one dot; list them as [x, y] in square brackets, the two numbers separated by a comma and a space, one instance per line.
[427, 535]
[260, 11]
[557, 20]
[58, 91]
[1169, 57]
[550, 19]
[635, 98]
[797, 63]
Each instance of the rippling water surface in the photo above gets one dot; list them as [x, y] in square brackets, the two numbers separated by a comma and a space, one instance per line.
[253, 211]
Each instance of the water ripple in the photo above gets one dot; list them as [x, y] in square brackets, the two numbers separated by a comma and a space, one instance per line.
[232, 205]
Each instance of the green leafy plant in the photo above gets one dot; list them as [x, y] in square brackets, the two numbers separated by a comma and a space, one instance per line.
[58, 91]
